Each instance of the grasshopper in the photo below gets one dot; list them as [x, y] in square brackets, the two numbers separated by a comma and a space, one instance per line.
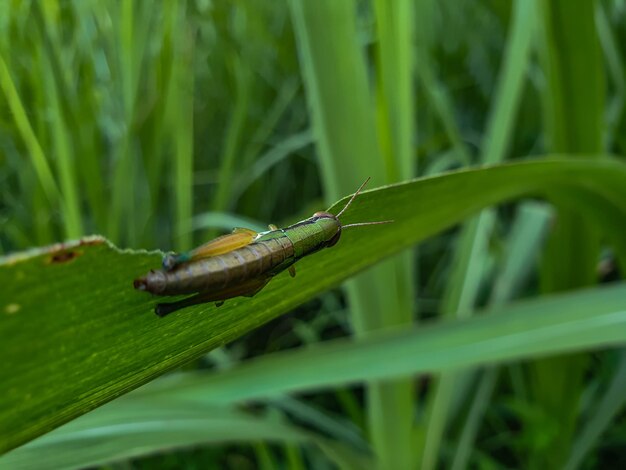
[243, 262]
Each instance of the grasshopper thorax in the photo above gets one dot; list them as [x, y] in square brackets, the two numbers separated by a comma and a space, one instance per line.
[331, 227]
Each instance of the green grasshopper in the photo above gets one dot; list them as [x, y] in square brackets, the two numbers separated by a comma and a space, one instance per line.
[242, 262]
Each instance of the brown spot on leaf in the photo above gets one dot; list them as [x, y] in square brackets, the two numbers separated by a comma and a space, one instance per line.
[64, 256]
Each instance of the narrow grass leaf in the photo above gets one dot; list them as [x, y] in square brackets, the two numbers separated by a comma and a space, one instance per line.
[587, 319]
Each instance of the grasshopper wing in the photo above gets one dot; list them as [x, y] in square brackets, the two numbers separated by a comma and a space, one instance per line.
[238, 238]
[220, 245]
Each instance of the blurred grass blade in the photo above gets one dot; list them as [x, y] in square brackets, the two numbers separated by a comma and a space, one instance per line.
[480, 403]
[608, 406]
[574, 100]
[38, 158]
[395, 23]
[275, 155]
[511, 82]
[233, 137]
[55, 87]
[130, 428]
[525, 239]
[615, 71]
[181, 119]
[587, 319]
[321, 421]
[441, 103]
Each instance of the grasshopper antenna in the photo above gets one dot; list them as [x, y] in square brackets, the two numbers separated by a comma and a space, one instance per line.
[352, 198]
[350, 202]
[368, 223]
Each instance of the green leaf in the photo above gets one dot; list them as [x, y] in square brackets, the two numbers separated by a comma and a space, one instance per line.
[133, 427]
[76, 334]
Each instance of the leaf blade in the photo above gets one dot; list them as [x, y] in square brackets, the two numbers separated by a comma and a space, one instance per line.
[82, 335]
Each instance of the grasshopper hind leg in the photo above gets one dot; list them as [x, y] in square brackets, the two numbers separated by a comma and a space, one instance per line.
[247, 289]
[164, 309]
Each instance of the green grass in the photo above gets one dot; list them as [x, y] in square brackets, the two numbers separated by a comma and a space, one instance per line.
[160, 125]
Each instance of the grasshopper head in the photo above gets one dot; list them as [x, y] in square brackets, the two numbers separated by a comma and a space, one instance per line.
[332, 227]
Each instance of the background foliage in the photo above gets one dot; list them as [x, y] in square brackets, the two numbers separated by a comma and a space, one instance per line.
[160, 124]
